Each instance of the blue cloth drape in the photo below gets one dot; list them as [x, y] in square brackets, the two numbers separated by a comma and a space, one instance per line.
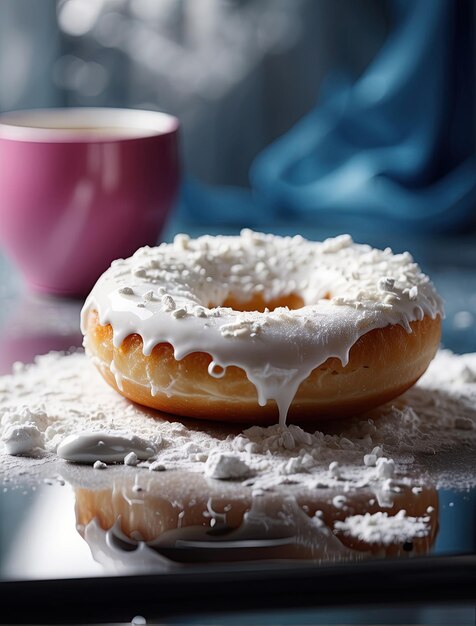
[396, 148]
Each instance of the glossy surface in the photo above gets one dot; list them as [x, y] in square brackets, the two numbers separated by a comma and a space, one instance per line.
[143, 545]
[184, 561]
[71, 201]
[145, 523]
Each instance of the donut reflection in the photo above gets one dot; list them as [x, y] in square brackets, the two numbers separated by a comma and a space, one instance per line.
[167, 520]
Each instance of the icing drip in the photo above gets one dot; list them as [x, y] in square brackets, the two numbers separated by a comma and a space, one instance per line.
[175, 294]
[105, 447]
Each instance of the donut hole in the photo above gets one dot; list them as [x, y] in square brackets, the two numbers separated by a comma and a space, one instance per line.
[259, 304]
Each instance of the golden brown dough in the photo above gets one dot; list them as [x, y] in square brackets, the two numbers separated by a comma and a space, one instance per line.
[383, 364]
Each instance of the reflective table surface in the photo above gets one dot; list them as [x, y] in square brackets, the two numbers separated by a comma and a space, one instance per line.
[176, 546]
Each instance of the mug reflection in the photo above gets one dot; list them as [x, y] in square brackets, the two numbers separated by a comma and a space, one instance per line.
[36, 325]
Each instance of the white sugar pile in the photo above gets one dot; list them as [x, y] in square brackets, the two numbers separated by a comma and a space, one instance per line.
[382, 528]
[60, 395]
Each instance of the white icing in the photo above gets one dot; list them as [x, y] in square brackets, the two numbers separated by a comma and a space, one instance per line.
[106, 446]
[215, 370]
[109, 552]
[181, 287]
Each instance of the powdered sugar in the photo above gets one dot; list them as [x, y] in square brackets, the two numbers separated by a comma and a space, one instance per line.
[63, 395]
[99, 465]
[23, 439]
[382, 528]
[226, 466]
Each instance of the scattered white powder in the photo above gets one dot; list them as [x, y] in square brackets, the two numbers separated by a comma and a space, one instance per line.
[131, 459]
[370, 460]
[23, 439]
[339, 501]
[383, 528]
[22, 413]
[334, 469]
[385, 467]
[225, 466]
[64, 395]
[156, 466]
[389, 485]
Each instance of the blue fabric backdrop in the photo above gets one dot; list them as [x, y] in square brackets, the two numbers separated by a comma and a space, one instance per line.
[396, 149]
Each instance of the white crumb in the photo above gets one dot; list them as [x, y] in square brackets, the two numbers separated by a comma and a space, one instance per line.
[225, 466]
[62, 395]
[383, 528]
[23, 439]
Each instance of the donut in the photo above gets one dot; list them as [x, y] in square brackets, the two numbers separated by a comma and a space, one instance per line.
[256, 328]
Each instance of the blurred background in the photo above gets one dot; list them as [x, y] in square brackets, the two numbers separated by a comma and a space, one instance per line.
[311, 116]
[237, 73]
[297, 116]
[323, 107]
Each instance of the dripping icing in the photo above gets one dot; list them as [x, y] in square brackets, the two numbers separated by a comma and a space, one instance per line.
[182, 289]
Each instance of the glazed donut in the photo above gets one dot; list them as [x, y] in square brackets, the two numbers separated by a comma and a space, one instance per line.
[257, 327]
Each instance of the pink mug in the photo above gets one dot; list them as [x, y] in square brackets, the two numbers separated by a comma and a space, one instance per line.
[80, 187]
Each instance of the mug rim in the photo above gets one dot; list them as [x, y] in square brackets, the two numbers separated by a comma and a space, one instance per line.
[20, 125]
